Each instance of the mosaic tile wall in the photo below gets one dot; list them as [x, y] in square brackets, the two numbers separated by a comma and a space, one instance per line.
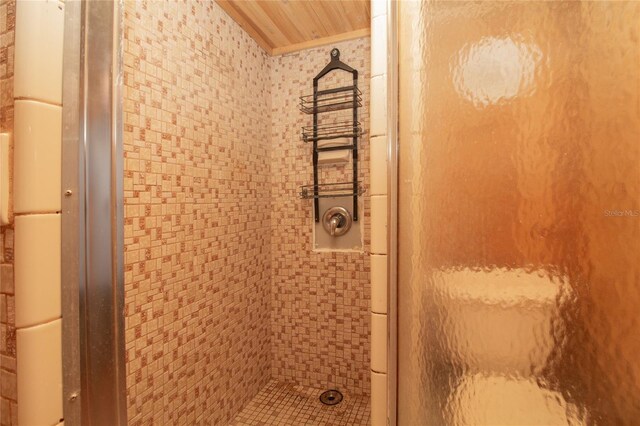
[320, 317]
[197, 214]
[8, 383]
[219, 299]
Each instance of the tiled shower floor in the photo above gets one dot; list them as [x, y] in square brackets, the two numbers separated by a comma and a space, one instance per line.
[286, 404]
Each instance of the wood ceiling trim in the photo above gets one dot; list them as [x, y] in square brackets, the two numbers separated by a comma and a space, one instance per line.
[362, 32]
[281, 31]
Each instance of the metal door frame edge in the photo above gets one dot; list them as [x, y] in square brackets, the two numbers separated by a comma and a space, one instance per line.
[94, 388]
[392, 213]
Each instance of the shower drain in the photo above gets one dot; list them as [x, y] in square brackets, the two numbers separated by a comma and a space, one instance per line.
[331, 397]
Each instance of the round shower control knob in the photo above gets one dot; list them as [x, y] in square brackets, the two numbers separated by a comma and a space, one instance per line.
[337, 221]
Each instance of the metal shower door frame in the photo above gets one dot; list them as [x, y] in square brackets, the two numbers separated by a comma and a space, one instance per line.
[92, 215]
[392, 210]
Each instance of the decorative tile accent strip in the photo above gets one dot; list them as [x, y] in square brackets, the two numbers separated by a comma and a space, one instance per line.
[379, 217]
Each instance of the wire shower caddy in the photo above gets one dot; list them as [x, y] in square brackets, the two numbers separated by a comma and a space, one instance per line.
[328, 100]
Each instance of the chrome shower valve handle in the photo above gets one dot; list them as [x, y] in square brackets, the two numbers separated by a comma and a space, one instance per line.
[337, 221]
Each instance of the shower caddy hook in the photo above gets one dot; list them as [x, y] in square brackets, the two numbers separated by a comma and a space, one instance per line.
[335, 99]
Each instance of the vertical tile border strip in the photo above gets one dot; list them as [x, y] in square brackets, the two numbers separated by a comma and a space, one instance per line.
[92, 235]
[380, 96]
[392, 206]
[38, 384]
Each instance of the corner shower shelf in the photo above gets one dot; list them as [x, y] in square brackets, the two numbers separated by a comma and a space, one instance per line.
[343, 129]
[331, 100]
[329, 190]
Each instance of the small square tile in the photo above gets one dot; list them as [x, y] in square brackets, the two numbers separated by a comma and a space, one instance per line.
[281, 403]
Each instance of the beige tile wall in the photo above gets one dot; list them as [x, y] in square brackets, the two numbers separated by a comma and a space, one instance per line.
[320, 315]
[222, 289]
[8, 379]
[197, 209]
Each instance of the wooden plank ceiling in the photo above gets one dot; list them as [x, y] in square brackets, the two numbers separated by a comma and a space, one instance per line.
[282, 26]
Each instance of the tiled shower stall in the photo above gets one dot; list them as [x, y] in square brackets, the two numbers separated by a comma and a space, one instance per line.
[223, 290]
[159, 263]
[231, 314]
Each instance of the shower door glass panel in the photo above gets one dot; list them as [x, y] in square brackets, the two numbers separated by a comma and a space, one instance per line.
[519, 213]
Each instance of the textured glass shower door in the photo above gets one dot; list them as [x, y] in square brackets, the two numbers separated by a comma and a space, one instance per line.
[519, 213]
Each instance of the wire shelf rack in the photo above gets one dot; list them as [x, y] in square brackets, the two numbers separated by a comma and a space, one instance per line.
[343, 129]
[334, 99]
[331, 100]
[329, 190]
